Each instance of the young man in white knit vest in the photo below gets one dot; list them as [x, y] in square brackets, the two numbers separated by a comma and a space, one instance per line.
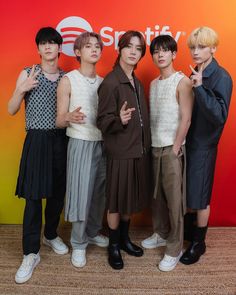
[86, 166]
[171, 102]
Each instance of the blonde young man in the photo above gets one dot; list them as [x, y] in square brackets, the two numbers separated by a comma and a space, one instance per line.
[86, 168]
[212, 87]
[171, 103]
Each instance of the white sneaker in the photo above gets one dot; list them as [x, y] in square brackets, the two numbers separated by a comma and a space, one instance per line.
[78, 258]
[153, 242]
[57, 245]
[25, 271]
[168, 263]
[100, 240]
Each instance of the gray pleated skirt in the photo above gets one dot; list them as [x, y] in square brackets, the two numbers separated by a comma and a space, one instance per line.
[83, 158]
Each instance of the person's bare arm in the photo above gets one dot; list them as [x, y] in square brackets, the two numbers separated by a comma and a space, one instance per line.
[64, 117]
[24, 84]
[185, 100]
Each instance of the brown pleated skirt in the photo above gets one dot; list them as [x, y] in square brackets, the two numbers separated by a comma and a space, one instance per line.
[128, 185]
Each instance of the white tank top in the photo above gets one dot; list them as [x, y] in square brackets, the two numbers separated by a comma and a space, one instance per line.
[84, 94]
[164, 110]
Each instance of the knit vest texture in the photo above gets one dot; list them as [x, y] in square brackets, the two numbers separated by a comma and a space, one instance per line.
[84, 95]
[164, 110]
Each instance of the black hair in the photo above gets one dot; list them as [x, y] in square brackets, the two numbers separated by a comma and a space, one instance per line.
[164, 42]
[48, 34]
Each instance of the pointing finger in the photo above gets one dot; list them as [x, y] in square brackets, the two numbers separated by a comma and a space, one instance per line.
[129, 111]
[123, 106]
[32, 71]
[77, 109]
[36, 74]
[192, 69]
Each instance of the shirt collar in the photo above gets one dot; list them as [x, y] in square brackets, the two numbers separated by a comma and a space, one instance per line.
[209, 69]
[122, 76]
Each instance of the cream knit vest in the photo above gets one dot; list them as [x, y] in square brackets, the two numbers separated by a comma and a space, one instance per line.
[164, 110]
[84, 94]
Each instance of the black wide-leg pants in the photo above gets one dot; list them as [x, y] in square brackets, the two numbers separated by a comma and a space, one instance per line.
[32, 222]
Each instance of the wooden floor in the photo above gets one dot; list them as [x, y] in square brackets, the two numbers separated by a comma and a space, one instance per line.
[215, 273]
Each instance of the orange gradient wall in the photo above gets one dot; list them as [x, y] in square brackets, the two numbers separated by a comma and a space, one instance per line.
[20, 20]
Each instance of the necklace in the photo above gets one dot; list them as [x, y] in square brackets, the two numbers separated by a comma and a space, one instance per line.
[57, 72]
[90, 80]
[131, 80]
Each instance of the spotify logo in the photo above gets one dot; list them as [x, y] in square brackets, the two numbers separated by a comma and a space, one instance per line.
[70, 28]
[73, 26]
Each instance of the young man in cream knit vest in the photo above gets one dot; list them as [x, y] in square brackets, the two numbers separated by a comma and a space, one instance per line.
[86, 167]
[171, 102]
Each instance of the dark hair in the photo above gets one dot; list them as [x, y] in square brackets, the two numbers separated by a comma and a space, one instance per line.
[48, 34]
[125, 40]
[83, 39]
[165, 42]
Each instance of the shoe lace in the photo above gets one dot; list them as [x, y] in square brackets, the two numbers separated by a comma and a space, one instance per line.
[27, 262]
[154, 236]
[59, 241]
[100, 236]
[169, 258]
[79, 252]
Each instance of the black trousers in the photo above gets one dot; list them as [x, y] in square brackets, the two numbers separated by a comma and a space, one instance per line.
[32, 222]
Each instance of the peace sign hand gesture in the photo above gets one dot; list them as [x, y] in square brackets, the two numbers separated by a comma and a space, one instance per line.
[30, 82]
[196, 77]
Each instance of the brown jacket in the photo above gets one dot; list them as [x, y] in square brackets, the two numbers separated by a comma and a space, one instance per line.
[123, 141]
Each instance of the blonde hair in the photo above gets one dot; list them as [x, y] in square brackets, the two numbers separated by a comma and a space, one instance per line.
[203, 36]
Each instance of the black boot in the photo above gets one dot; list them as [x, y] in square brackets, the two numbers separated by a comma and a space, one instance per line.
[189, 226]
[114, 256]
[125, 243]
[196, 248]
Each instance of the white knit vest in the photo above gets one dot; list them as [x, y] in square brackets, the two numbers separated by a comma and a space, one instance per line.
[164, 110]
[84, 94]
